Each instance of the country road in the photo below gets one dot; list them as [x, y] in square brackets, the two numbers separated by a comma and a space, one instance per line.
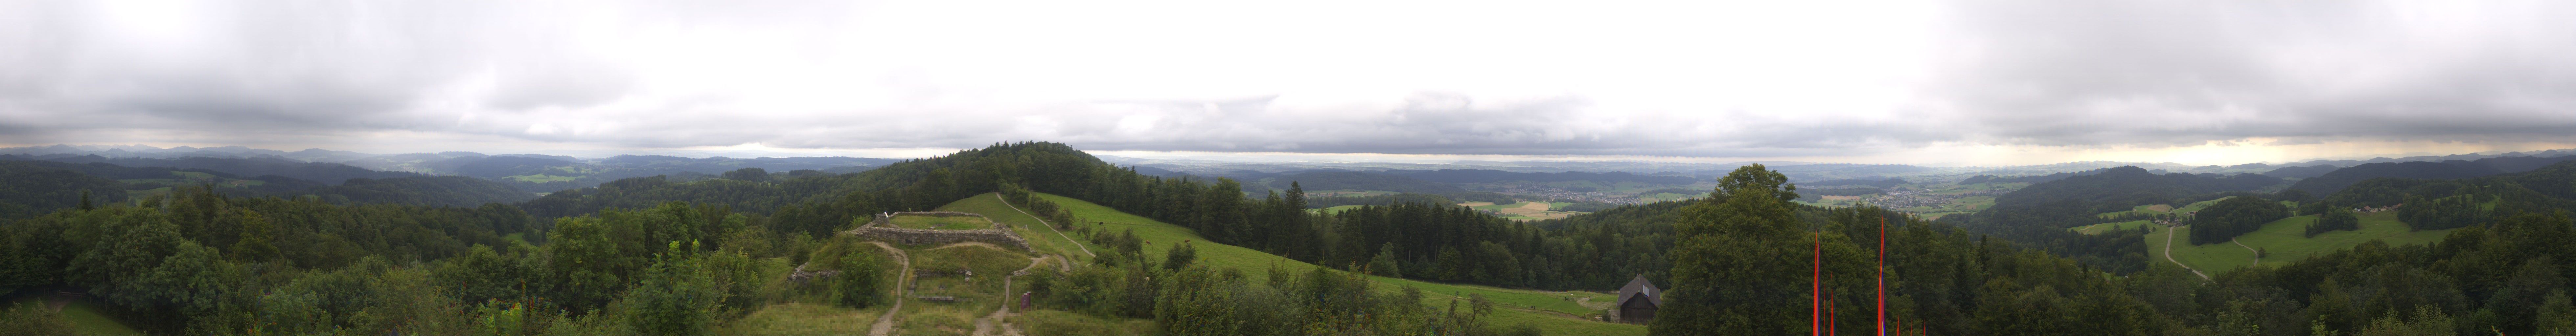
[2169, 233]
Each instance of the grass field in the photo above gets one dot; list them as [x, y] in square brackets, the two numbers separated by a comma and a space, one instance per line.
[940, 222]
[84, 315]
[1524, 210]
[2107, 227]
[1553, 318]
[1332, 209]
[2159, 209]
[2285, 242]
[803, 319]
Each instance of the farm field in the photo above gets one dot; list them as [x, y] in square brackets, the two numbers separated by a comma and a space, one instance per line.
[1523, 210]
[2285, 242]
[2159, 209]
[1549, 317]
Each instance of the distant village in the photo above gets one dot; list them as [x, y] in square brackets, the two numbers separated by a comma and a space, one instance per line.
[1900, 199]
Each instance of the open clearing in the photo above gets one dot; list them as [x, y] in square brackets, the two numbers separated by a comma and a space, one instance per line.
[2284, 242]
[803, 319]
[85, 315]
[2159, 209]
[1333, 209]
[2107, 227]
[1523, 211]
[1550, 315]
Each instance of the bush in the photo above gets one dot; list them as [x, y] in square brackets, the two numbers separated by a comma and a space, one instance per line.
[862, 278]
[32, 320]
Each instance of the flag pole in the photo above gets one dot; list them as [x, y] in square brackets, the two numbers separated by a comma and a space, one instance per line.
[1882, 271]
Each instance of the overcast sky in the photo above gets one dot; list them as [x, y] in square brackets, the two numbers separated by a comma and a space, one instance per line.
[1975, 82]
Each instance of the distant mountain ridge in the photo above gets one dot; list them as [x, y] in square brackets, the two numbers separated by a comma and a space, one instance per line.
[30, 187]
[525, 172]
[327, 173]
[2076, 199]
[1489, 175]
[2335, 181]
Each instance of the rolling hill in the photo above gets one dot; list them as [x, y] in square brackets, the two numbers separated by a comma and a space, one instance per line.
[2284, 241]
[2078, 200]
[1556, 313]
[2335, 181]
[1348, 180]
[1490, 175]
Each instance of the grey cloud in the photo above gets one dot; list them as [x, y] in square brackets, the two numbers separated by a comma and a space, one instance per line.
[2186, 72]
[2005, 72]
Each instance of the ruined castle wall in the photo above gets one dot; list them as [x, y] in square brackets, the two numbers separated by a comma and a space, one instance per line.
[999, 234]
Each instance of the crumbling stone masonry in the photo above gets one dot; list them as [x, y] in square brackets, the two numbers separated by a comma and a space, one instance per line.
[878, 229]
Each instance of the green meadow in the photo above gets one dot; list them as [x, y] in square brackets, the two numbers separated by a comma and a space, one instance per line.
[2283, 241]
[1556, 313]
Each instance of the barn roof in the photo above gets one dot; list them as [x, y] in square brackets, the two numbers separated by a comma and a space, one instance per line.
[1639, 285]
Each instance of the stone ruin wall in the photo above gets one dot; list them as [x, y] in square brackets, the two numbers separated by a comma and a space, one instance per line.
[999, 234]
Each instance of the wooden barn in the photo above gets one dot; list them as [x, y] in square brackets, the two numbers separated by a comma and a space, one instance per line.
[1637, 301]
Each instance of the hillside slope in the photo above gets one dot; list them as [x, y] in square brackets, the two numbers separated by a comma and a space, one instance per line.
[2284, 241]
[1556, 313]
[2078, 200]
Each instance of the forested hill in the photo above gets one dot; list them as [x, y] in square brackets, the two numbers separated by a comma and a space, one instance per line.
[457, 191]
[2076, 200]
[1733, 263]
[2301, 172]
[28, 188]
[2448, 203]
[2032, 178]
[35, 187]
[1348, 180]
[1489, 175]
[328, 173]
[2335, 181]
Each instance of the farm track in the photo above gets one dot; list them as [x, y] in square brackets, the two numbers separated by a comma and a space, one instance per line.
[2258, 254]
[885, 323]
[985, 326]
